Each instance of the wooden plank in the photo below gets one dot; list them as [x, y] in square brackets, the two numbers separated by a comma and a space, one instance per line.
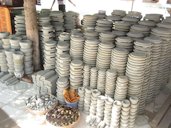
[166, 121]
[159, 116]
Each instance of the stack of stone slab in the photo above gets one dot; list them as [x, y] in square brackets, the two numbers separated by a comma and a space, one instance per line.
[76, 74]
[62, 84]
[104, 55]
[49, 55]
[110, 84]
[64, 37]
[133, 111]
[58, 22]
[101, 14]
[96, 51]
[63, 59]
[86, 76]
[87, 100]
[36, 80]
[103, 25]
[93, 105]
[9, 59]
[135, 35]
[43, 20]
[77, 46]
[150, 24]
[44, 35]
[135, 14]
[47, 35]
[108, 110]
[124, 116]
[3, 35]
[90, 51]
[81, 92]
[26, 48]
[91, 34]
[14, 42]
[6, 43]
[107, 37]
[89, 22]
[44, 77]
[93, 77]
[121, 88]
[131, 20]
[64, 65]
[100, 106]
[8, 79]
[116, 112]
[136, 72]
[50, 83]
[155, 61]
[101, 80]
[45, 12]
[113, 18]
[119, 58]
[124, 42]
[20, 28]
[76, 31]
[119, 33]
[121, 26]
[120, 13]
[154, 17]
[70, 20]
[18, 59]
[164, 33]
[3, 62]
[142, 46]
[45, 81]
[140, 29]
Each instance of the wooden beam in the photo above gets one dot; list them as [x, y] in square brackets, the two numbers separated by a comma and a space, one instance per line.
[32, 30]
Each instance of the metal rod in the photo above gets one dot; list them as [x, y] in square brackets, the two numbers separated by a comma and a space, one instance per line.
[132, 5]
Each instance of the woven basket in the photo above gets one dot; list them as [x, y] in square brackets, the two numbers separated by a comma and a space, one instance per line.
[73, 125]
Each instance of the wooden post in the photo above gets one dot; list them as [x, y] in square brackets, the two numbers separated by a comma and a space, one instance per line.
[32, 30]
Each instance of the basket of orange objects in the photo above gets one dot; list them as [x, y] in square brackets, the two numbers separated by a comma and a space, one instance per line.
[71, 98]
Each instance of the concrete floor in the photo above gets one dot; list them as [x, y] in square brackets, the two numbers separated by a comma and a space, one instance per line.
[6, 121]
[13, 112]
